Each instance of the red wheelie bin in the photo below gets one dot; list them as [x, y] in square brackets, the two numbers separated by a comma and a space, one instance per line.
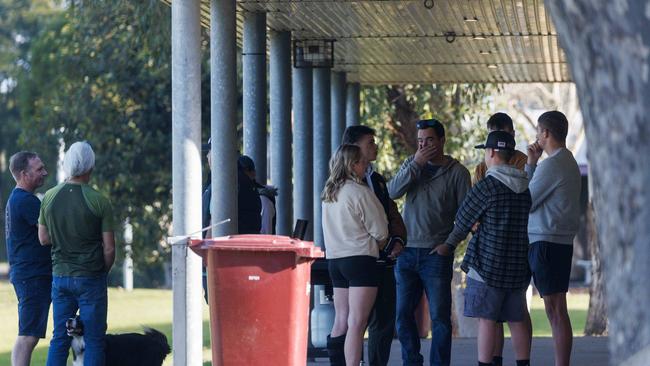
[258, 292]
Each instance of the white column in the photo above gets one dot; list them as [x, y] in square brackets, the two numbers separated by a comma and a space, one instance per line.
[186, 187]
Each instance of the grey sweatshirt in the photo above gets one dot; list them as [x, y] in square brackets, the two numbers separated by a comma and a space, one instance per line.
[555, 186]
[431, 200]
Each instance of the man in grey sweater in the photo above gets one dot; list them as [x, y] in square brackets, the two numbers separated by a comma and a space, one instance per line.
[553, 222]
[435, 185]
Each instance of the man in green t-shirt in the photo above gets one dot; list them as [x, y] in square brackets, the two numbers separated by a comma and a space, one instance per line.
[78, 222]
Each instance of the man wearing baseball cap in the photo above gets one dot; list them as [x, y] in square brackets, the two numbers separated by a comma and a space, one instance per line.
[496, 260]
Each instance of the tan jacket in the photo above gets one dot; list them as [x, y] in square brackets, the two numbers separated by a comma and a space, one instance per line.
[355, 223]
[518, 161]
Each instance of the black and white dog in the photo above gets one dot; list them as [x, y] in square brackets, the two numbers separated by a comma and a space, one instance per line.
[148, 349]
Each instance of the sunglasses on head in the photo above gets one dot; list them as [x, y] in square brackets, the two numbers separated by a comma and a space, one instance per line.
[427, 123]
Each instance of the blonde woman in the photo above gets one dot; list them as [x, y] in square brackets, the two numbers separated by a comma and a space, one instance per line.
[354, 226]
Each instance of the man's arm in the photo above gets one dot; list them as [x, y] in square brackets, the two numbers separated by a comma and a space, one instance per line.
[43, 235]
[407, 174]
[541, 185]
[108, 239]
[470, 212]
[463, 184]
[396, 227]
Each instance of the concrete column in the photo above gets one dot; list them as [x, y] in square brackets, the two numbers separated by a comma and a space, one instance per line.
[352, 111]
[254, 75]
[280, 97]
[322, 142]
[338, 108]
[303, 119]
[223, 115]
[187, 337]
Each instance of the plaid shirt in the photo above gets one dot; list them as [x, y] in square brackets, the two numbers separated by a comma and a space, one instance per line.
[499, 250]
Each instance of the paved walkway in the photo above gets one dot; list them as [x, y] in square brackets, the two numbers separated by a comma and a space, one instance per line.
[587, 351]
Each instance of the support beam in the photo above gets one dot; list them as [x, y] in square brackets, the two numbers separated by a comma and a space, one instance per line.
[303, 164]
[187, 334]
[254, 85]
[223, 115]
[322, 141]
[338, 108]
[352, 105]
[280, 91]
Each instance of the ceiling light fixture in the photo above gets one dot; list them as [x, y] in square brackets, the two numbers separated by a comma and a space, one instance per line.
[492, 66]
[478, 36]
[485, 52]
[470, 20]
[450, 37]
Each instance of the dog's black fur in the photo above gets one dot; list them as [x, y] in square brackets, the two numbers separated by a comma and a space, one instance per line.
[148, 349]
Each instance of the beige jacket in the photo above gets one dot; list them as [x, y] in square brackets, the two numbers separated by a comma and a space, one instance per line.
[355, 223]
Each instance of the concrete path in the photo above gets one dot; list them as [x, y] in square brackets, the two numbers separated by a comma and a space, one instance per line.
[587, 351]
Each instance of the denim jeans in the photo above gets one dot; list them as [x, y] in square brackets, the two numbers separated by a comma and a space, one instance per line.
[417, 270]
[89, 296]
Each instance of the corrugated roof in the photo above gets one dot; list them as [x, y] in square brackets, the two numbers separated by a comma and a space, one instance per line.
[391, 41]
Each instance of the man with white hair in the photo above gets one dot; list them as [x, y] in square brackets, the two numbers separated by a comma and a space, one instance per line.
[77, 221]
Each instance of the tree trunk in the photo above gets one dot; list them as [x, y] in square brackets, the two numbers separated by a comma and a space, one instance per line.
[607, 45]
[402, 121]
[597, 314]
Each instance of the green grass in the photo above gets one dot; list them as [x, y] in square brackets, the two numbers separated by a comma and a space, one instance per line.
[129, 311]
[577, 303]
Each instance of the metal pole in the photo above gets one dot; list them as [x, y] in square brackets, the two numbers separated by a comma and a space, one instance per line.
[280, 97]
[338, 108]
[254, 85]
[303, 120]
[352, 106]
[187, 331]
[223, 116]
[322, 141]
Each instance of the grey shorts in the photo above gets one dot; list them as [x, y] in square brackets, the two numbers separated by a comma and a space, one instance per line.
[483, 301]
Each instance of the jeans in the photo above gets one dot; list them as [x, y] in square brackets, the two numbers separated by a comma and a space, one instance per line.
[417, 270]
[89, 296]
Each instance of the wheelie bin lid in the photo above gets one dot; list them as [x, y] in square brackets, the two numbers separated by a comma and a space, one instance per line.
[257, 243]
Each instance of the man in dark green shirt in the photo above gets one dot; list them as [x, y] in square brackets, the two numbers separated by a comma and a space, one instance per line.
[78, 222]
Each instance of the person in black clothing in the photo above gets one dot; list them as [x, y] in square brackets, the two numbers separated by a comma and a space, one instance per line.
[267, 195]
[249, 205]
[381, 324]
[496, 260]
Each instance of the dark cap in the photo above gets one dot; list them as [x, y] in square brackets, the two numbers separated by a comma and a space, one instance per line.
[207, 146]
[498, 140]
[246, 163]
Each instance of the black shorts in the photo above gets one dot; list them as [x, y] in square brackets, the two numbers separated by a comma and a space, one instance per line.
[551, 266]
[355, 271]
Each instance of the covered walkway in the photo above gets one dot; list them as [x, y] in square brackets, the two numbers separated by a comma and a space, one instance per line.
[587, 351]
[318, 53]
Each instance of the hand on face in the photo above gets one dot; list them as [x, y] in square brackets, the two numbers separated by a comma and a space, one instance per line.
[425, 153]
[534, 153]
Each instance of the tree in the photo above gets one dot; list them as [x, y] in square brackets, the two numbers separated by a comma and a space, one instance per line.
[20, 22]
[393, 111]
[101, 72]
[608, 48]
